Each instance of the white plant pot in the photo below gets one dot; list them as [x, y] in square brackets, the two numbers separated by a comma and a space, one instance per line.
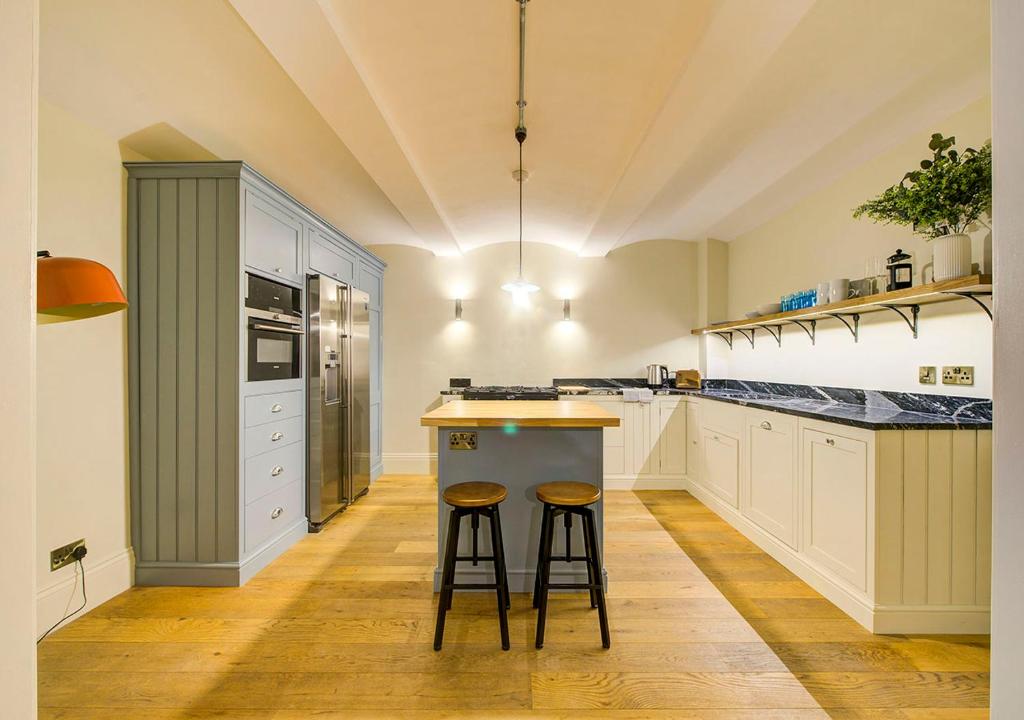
[951, 256]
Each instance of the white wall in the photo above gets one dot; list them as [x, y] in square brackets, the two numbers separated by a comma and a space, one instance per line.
[18, 86]
[817, 240]
[1007, 488]
[635, 306]
[82, 393]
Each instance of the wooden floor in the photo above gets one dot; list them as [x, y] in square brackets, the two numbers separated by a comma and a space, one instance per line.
[341, 625]
[849, 671]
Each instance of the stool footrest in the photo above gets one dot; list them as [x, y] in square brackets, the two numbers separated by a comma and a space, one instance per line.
[574, 586]
[478, 558]
[473, 586]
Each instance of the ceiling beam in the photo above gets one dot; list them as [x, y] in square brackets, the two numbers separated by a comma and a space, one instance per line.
[304, 37]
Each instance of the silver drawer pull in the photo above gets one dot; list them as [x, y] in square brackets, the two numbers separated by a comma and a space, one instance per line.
[276, 436]
[276, 471]
[830, 441]
[765, 425]
[276, 408]
[276, 513]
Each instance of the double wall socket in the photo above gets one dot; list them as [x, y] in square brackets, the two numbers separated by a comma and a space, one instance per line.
[958, 375]
[64, 555]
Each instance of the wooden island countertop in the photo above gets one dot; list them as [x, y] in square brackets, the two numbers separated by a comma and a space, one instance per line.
[520, 413]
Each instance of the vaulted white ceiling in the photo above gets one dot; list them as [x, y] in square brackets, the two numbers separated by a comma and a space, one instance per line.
[651, 119]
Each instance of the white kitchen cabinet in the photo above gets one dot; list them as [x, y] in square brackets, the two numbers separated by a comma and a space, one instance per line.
[671, 436]
[639, 436]
[836, 504]
[769, 493]
[721, 453]
[614, 437]
[693, 464]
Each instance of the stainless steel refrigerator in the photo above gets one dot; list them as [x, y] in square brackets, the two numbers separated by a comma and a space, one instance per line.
[338, 398]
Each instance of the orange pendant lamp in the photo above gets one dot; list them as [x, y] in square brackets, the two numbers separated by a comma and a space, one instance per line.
[74, 289]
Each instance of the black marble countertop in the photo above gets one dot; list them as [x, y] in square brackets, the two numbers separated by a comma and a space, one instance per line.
[863, 416]
[868, 409]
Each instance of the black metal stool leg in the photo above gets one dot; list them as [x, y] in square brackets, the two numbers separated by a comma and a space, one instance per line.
[544, 572]
[540, 553]
[447, 577]
[499, 584]
[588, 552]
[499, 554]
[595, 560]
[568, 536]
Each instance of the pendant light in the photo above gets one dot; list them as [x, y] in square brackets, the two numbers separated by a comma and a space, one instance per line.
[74, 288]
[521, 289]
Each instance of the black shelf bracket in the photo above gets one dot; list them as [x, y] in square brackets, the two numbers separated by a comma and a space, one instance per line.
[854, 328]
[750, 337]
[727, 336]
[973, 296]
[801, 324]
[777, 335]
[914, 311]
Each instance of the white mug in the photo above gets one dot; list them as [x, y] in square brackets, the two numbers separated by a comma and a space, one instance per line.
[839, 289]
[822, 294]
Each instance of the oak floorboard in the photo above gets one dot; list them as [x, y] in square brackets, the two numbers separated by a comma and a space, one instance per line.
[340, 626]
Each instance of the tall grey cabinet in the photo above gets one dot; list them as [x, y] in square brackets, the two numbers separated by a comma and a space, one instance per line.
[212, 500]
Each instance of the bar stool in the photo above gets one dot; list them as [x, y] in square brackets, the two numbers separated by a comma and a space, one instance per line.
[474, 499]
[568, 499]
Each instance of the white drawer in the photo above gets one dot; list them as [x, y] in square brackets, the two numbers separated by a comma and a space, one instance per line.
[272, 470]
[272, 514]
[722, 416]
[260, 409]
[272, 435]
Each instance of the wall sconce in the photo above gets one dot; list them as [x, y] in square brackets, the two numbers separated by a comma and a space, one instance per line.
[458, 308]
[566, 309]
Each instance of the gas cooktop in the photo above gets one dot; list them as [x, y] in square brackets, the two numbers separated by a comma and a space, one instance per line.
[509, 392]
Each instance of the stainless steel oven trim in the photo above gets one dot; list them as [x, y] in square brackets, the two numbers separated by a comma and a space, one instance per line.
[275, 328]
[276, 317]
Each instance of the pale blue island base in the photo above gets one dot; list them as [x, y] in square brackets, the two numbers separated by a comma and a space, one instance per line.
[521, 455]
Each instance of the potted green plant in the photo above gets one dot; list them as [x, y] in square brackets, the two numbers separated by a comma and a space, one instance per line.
[947, 194]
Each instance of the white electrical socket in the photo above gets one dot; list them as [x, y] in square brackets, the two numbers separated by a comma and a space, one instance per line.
[958, 375]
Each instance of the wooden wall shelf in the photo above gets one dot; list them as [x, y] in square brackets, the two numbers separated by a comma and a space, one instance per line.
[906, 303]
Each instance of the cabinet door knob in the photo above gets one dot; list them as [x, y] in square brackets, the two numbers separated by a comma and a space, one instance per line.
[279, 270]
[276, 471]
[276, 436]
[276, 408]
[830, 441]
[765, 425]
[276, 513]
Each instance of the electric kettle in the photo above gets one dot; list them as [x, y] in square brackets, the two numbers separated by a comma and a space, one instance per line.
[657, 375]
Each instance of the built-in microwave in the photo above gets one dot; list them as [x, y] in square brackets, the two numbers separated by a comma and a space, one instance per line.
[273, 330]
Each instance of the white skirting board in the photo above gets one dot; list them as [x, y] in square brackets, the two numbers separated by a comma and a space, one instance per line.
[644, 482]
[410, 463]
[104, 579]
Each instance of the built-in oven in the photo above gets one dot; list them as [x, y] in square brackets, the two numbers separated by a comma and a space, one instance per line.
[273, 330]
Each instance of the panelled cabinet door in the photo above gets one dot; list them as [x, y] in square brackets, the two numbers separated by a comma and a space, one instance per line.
[638, 434]
[835, 496]
[721, 464]
[273, 238]
[330, 260]
[613, 437]
[672, 437]
[693, 441]
[769, 496]
[370, 282]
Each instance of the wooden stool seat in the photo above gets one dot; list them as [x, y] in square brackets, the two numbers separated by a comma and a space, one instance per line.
[568, 494]
[475, 494]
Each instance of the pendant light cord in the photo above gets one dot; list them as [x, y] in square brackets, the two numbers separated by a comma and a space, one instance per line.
[520, 210]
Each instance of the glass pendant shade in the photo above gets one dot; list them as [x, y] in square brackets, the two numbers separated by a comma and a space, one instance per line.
[75, 288]
[520, 290]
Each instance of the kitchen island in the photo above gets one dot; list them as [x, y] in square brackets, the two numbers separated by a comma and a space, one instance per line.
[520, 444]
